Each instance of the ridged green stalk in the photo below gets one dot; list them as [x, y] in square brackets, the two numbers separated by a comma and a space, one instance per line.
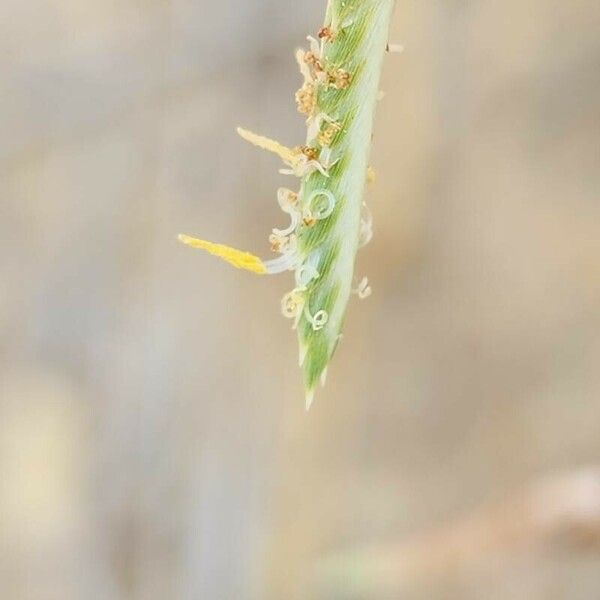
[360, 30]
[328, 224]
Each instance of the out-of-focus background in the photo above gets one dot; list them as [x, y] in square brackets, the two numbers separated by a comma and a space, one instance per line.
[153, 439]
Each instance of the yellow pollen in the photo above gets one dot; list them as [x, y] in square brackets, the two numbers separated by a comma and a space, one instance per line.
[288, 155]
[237, 258]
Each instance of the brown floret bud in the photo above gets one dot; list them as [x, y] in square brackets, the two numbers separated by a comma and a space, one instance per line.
[327, 34]
[310, 152]
[325, 137]
[340, 79]
[309, 220]
[310, 58]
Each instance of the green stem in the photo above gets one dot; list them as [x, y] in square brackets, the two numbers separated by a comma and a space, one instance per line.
[356, 47]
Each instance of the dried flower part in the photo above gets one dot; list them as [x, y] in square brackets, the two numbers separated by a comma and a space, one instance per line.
[313, 60]
[339, 79]
[326, 136]
[329, 220]
[327, 34]
[280, 243]
[310, 152]
[306, 99]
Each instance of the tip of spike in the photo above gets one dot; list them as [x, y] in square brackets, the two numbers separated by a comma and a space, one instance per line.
[323, 377]
[310, 396]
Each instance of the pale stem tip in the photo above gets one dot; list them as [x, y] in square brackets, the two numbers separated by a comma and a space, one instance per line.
[310, 396]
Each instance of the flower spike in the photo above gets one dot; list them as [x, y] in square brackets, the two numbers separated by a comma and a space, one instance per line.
[328, 217]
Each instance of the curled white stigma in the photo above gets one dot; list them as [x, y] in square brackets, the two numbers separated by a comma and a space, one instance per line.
[302, 166]
[287, 200]
[323, 209]
[305, 274]
[363, 290]
[318, 321]
[295, 221]
[285, 262]
[365, 234]
[292, 304]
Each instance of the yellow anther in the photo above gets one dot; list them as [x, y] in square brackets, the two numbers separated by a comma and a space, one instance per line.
[301, 159]
[237, 258]
[287, 155]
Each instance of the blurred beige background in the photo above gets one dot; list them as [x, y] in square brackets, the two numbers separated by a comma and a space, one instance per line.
[153, 440]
